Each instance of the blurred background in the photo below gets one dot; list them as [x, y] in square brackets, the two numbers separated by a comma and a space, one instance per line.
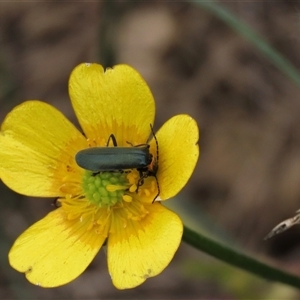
[248, 176]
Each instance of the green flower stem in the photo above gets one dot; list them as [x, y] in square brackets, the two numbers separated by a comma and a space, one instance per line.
[237, 259]
[244, 30]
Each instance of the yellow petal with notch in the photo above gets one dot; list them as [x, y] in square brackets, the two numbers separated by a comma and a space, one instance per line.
[54, 251]
[116, 101]
[178, 154]
[144, 248]
[37, 149]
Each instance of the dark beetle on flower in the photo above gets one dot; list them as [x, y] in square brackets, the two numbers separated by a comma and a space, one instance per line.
[104, 159]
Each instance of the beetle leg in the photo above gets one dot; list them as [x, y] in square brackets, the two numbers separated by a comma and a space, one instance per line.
[114, 141]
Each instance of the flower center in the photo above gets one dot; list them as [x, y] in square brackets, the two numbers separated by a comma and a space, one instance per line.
[106, 189]
[107, 198]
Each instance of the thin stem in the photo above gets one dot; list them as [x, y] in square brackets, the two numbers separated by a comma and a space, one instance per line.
[238, 259]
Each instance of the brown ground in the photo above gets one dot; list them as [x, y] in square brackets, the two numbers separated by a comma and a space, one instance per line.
[247, 179]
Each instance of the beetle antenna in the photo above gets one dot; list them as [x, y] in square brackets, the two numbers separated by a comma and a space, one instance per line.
[158, 189]
[155, 167]
[154, 136]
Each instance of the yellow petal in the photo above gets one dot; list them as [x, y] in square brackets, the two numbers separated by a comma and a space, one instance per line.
[178, 154]
[114, 101]
[53, 251]
[37, 149]
[143, 248]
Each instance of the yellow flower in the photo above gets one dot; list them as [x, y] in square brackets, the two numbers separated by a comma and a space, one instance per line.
[37, 154]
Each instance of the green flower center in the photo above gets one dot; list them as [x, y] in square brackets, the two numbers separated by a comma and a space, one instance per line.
[105, 188]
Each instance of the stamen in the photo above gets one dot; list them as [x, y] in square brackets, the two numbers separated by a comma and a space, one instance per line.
[108, 197]
[127, 198]
[113, 188]
[133, 188]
